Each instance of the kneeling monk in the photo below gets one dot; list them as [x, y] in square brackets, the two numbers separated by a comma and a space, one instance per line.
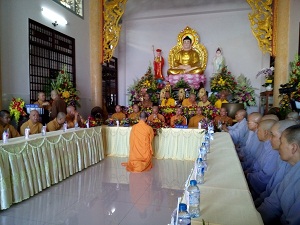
[140, 155]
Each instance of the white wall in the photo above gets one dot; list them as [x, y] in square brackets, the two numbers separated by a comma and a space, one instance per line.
[224, 25]
[294, 29]
[14, 16]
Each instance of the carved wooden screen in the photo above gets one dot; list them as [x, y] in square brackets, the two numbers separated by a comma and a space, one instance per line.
[49, 52]
[110, 84]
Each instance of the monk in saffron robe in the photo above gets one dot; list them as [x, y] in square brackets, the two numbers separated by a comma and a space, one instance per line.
[6, 126]
[118, 115]
[33, 123]
[190, 101]
[135, 115]
[178, 119]
[57, 123]
[140, 155]
[193, 123]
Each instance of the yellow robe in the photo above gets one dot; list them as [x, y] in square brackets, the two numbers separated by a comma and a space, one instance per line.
[140, 142]
[134, 115]
[195, 120]
[219, 103]
[53, 125]
[224, 119]
[12, 131]
[152, 118]
[118, 116]
[186, 103]
[174, 118]
[34, 128]
[169, 102]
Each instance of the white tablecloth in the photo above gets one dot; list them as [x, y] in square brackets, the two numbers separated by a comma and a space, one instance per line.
[225, 197]
[171, 143]
[29, 166]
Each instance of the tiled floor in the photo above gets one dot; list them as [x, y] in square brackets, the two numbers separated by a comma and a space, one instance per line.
[105, 194]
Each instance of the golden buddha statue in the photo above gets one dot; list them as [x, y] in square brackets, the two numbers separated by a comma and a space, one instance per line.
[188, 56]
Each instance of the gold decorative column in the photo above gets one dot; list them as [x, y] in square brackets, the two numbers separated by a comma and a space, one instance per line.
[281, 75]
[96, 27]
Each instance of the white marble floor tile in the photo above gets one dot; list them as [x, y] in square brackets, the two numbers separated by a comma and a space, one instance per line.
[106, 194]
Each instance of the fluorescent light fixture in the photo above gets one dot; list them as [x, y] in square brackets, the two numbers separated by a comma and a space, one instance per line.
[57, 19]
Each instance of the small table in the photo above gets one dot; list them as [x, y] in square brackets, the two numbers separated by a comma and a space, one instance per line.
[266, 101]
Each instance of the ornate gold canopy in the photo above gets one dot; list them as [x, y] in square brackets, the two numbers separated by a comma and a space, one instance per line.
[193, 35]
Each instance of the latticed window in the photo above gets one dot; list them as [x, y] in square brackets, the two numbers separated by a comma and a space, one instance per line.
[49, 52]
[75, 6]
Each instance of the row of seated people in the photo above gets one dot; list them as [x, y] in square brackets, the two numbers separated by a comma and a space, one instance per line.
[155, 116]
[269, 151]
[190, 101]
[71, 118]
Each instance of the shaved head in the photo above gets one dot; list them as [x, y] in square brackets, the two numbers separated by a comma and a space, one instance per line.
[266, 124]
[292, 116]
[270, 117]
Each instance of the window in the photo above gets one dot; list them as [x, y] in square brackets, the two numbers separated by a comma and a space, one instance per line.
[75, 6]
[110, 84]
[49, 52]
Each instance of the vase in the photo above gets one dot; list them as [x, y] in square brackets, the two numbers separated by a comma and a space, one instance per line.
[269, 87]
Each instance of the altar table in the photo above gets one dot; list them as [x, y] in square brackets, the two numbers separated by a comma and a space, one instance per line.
[29, 166]
[170, 143]
[225, 197]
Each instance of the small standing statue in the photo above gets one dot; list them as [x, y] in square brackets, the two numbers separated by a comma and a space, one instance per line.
[218, 61]
[158, 65]
[181, 94]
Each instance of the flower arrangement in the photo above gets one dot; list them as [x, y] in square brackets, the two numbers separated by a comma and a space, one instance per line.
[110, 122]
[134, 121]
[167, 112]
[213, 98]
[182, 84]
[204, 123]
[269, 75]
[178, 122]
[156, 126]
[65, 89]
[189, 111]
[223, 81]
[210, 112]
[94, 122]
[295, 77]
[125, 122]
[285, 106]
[146, 83]
[16, 108]
[244, 92]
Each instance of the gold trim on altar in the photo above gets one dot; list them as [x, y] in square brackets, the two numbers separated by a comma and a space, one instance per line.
[199, 48]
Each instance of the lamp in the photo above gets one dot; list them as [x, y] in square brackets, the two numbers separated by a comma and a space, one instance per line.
[54, 17]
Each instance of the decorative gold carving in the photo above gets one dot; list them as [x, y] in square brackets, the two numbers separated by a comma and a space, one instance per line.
[113, 11]
[261, 20]
[199, 48]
